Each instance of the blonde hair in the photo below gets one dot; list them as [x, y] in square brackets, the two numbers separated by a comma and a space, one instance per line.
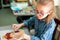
[45, 1]
[52, 11]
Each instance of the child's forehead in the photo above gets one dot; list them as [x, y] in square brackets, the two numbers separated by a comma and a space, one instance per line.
[38, 7]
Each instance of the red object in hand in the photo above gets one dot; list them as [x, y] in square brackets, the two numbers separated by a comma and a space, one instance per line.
[16, 31]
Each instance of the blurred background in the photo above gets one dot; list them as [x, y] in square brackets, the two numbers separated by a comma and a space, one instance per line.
[8, 7]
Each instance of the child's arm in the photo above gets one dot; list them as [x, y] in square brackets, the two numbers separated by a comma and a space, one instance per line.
[25, 23]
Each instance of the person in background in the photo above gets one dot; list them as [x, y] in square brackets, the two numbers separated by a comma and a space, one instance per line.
[43, 21]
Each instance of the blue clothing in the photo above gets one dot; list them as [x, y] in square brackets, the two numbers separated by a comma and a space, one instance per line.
[43, 31]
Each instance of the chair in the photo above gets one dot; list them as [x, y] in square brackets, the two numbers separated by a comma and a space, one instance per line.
[57, 21]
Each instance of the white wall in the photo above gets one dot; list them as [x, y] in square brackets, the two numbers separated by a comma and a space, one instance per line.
[57, 4]
[58, 9]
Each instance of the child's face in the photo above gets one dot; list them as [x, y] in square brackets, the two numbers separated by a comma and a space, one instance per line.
[42, 11]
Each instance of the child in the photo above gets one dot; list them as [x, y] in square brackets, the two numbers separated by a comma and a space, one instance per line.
[43, 21]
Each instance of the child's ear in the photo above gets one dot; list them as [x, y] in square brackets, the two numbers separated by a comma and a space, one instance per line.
[48, 13]
[51, 11]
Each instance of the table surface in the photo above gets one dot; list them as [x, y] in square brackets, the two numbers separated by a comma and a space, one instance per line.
[23, 14]
[4, 30]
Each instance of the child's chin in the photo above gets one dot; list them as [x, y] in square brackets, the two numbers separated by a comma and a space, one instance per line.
[40, 18]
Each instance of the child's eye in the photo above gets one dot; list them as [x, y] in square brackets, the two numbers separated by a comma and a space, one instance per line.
[37, 11]
[41, 12]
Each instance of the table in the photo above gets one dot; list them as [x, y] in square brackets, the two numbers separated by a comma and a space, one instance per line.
[2, 32]
[19, 9]
[22, 14]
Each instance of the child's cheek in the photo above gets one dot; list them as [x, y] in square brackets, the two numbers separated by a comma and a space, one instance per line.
[38, 16]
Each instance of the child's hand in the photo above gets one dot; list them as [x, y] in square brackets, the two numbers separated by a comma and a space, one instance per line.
[16, 27]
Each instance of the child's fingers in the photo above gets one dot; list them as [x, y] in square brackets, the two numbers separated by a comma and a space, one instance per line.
[14, 26]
